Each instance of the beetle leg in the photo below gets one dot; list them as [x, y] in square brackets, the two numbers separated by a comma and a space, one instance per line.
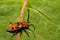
[14, 34]
[32, 26]
[32, 32]
[26, 32]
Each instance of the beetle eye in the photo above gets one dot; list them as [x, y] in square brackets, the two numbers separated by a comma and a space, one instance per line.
[12, 27]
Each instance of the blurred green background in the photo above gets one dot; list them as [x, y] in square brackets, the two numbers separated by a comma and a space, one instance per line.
[46, 29]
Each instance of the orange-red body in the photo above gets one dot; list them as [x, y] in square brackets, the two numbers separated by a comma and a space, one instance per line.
[17, 26]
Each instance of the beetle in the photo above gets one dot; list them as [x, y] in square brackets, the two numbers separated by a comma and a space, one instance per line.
[20, 26]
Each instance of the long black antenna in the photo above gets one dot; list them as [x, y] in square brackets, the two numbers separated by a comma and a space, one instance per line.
[28, 15]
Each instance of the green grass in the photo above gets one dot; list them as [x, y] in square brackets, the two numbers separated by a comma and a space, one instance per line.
[45, 29]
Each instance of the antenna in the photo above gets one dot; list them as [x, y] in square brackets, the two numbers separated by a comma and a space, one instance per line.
[28, 16]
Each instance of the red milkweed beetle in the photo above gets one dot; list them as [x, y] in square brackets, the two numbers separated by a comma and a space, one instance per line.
[20, 26]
